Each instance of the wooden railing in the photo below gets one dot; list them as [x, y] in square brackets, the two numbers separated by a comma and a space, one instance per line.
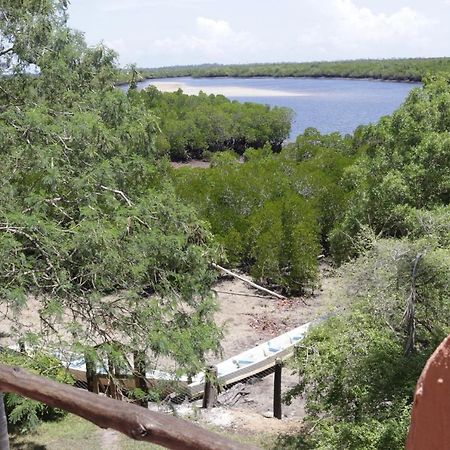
[134, 421]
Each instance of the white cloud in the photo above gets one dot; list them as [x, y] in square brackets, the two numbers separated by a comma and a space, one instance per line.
[214, 40]
[347, 29]
[214, 28]
[133, 5]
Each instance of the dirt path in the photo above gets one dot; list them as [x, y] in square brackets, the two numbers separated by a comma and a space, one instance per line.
[249, 318]
[109, 439]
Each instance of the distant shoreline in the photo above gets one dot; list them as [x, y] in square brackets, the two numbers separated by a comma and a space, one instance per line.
[405, 70]
[312, 77]
[228, 91]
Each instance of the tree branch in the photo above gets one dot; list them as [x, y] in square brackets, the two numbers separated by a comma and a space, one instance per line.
[8, 50]
[116, 191]
[410, 312]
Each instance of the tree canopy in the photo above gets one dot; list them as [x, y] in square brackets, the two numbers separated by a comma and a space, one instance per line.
[195, 126]
[404, 69]
[90, 226]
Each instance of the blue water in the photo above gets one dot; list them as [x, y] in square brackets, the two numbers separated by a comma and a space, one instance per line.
[329, 104]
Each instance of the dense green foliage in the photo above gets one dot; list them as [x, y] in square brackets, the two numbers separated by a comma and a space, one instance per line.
[412, 69]
[193, 126]
[359, 369]
[25, 414]
[89, 224]
[405, 166]
[273, 212]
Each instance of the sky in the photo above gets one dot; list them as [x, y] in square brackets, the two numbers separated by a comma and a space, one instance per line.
[154, 33]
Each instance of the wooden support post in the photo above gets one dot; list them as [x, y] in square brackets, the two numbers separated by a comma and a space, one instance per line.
[91, 373]
[112, 387]
[210, 392]
[277, 389]
[140, 368]
[96, 384]
[4, 437]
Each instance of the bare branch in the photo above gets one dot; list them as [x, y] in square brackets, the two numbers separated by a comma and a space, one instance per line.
[410, 312]
[5, 52]
[116, 191]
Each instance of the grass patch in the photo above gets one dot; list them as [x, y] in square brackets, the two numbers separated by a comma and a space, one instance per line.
[72, 432]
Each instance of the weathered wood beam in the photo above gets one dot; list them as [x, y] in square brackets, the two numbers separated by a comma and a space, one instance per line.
[251, 283]
[134, 421]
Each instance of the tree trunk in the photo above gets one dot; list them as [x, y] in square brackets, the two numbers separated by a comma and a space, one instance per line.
[4, 437]
[139, 374]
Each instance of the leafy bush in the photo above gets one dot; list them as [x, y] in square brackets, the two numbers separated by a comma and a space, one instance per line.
[25, 414]
[405, 162]
[273, 212]
[193, 126]
[359, 369]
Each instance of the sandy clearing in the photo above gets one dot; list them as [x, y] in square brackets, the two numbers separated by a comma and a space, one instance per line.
[228, 91]
[195, 163]
[250, 320]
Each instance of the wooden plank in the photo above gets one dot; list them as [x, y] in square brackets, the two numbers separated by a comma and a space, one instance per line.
[245, 372]
[430, 416]
[134, 421]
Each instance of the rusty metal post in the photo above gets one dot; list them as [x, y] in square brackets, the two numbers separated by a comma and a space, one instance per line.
[277, 413]
[210, 392]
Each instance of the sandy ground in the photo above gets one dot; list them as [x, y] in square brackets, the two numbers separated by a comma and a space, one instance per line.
[250, 318]
[228, 91]
[249, 321]
[196, 163]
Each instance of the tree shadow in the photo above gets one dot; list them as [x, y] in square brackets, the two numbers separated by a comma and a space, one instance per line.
[15, 443]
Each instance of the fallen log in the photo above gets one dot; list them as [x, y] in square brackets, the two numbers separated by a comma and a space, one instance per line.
[239, 294]
[251, 283]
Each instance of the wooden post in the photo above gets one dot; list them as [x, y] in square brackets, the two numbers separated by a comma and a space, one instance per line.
[431, 410]
[210, 392]
[277, 389]
[139, 374]
[4, 436]
[90, 373]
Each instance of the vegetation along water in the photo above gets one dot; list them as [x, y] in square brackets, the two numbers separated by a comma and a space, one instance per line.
[326, 104]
